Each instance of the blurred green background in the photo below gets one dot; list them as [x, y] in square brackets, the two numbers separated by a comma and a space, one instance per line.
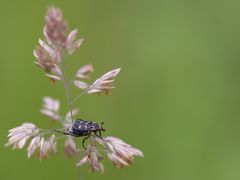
[177, 97]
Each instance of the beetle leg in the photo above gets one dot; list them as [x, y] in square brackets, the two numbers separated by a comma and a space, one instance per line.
[84, 141]
[95, 132]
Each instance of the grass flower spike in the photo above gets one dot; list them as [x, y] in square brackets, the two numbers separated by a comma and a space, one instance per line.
[51, 55]
[47, 147]
[94, 159]
[18, 136]
[33, 146]
[120, 153]
[104, 83]
[51, 108]
[70, 147]
[55, 29]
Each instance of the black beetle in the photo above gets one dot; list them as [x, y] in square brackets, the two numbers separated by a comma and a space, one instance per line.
[81, 128]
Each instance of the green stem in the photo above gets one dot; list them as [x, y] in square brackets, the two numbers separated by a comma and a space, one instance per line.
[66, 86]
[82, 93]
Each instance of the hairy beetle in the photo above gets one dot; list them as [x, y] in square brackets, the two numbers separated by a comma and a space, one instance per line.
[81, 128]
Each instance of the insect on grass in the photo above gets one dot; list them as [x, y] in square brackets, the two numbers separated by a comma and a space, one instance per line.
[51, 57]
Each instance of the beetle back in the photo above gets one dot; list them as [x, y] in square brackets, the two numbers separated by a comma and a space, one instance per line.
[83, 128]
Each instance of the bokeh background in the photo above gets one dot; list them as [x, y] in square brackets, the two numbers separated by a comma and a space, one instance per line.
[177, 97]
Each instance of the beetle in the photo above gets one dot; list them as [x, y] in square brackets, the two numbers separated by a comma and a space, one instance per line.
[84, 128]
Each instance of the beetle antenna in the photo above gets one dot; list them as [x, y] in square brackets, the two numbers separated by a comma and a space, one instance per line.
[102, 127]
